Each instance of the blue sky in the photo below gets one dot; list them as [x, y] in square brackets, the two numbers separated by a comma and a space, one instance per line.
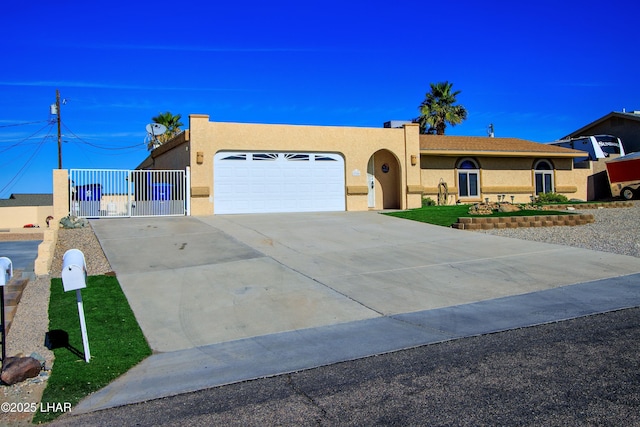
[536, 70]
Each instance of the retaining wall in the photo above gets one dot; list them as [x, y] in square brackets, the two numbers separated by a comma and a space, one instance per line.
[487, 223]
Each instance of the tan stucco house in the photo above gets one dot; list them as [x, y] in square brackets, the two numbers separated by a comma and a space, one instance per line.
[243, 168]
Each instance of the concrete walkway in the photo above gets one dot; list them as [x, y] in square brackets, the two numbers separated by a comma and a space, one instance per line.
[230, 298]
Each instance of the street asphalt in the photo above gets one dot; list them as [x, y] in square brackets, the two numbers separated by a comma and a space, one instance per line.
[22, 254]
[579, 372]
[227, 299]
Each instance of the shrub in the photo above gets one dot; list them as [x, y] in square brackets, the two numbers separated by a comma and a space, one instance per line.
[552, 198]
[428, 201]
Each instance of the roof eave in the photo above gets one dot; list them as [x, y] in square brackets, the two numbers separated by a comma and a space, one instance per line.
[483, 153]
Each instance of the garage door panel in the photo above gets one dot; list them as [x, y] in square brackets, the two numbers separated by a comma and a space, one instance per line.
[278, 182]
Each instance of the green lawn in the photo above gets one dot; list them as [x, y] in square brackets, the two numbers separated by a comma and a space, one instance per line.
[448, 215]
[116, 342]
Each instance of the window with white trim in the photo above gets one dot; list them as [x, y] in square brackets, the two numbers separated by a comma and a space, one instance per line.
[543, 177]
[468, 178]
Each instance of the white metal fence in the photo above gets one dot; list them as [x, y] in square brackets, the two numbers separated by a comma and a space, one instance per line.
[110, 193]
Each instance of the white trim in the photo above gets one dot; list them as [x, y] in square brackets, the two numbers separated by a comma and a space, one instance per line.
[475, 171]
[543, 173]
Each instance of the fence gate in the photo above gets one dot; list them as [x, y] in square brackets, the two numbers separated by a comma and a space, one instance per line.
[109, 193]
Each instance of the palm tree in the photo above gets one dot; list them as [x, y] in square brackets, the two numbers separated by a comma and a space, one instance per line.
[171, 122]
[438, 109]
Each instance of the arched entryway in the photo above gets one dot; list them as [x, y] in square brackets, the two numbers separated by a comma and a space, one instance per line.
[383, 179]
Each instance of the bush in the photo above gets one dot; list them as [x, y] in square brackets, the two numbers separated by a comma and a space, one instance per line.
[428, 201]
[552, 198]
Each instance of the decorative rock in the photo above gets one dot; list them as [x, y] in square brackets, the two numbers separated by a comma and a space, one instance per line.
[507, 207]
[18, 369]
[73, 222]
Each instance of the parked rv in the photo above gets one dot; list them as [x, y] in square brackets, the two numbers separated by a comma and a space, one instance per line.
[624, 176]
[598, 146]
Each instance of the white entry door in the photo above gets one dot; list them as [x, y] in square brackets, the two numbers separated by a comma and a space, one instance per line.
[256, 182]
[371, 183]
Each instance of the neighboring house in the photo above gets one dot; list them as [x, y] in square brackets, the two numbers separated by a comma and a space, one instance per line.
[25, 209]
[247, 168]
[625, 126]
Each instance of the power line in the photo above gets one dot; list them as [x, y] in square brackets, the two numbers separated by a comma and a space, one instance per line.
[89, 150]
[22, 124]
[24, 167]
[27, 138]
[110, 148]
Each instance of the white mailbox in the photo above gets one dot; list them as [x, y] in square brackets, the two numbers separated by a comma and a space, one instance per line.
[74, 278]
[6, 270]
[74, 270]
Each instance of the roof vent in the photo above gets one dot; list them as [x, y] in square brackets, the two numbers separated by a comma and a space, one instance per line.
[396, 123]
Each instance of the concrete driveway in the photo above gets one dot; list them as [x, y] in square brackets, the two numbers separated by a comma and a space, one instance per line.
[229, 298]
[199, 281]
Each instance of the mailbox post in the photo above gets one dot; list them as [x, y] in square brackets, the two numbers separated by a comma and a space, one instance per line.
[6, 273]
[74, 278]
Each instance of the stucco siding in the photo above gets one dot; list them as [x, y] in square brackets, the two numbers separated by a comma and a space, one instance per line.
[404, 170]
[500, 175]
[19, 216]
[356, 145]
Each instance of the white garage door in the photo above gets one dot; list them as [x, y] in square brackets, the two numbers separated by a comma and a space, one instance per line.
[255, 182]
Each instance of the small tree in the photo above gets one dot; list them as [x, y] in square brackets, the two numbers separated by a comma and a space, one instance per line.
[438, 109]
[171, 122]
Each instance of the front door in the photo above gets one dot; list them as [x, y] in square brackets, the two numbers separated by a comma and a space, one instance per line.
[371, 183]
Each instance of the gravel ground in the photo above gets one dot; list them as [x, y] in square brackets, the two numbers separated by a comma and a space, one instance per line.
[615, 230]
[85, 240]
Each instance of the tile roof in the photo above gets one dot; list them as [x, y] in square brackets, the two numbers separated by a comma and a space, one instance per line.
[483, 145]
[20, 199]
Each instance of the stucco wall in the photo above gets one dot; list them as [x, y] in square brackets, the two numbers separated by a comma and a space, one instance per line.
[173, 155]
[60, 194]
[502, 175]
[19, 216]
[356, 145]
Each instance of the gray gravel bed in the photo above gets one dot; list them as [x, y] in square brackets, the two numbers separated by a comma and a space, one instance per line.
[85, 240]
[615, 230]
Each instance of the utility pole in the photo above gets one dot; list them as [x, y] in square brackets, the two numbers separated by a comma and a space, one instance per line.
[59, 134]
